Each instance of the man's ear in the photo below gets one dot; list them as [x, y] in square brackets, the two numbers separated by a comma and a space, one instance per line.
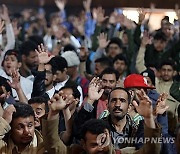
[19, 64]
[83, 144]
[23, 57]
[54, 77]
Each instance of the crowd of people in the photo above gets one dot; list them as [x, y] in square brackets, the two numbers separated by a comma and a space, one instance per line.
[88, 83]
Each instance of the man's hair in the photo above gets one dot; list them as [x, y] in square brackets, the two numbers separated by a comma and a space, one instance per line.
[3, 82]
[72, 85]
[39, 100]
[120, 88]
[36, 39]
[167, 62]
[160, 36]
[110, 70]
[104, 61]
[115, 40]
[27, 47]
[13, 52]
[22, 110]
[94, 126]
[120, 57]
[58, 63]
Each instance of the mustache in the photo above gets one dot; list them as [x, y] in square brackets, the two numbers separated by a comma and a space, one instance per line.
[117, 108]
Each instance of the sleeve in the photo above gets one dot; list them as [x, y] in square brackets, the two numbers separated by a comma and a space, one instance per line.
[52, 142]
[39, 88]
[140, 62]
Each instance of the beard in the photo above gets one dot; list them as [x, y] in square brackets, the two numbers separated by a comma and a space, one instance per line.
[119, 116]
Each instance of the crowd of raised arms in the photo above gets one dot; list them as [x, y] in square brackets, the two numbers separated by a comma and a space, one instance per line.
[88, 82]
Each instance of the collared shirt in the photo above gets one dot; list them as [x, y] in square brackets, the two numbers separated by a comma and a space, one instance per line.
[51, 92]
[29, 149]
[118, 138]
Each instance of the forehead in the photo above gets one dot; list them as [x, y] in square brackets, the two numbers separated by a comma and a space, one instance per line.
[23, 121]
[38, 105]
[118, 93]
[120, 61]
[32, 53]
[113, 45]
[167, 67]
[10, 56]
[109, 76]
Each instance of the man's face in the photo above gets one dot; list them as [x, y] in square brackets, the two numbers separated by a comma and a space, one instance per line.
[91, 146]
[39, 111]
[120, 66]
[118, 104]
[98, 69]
[108, 82]
[22, 131]
[31, 60]
[113, 50]
[49, 76]
[60, 76]
[159, 45]
[10, 63]
[168, 30]
[166, 72]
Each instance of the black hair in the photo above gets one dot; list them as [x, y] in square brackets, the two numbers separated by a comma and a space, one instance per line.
[3, 82]
[120, 57]
[160, 36]
[120, 88]
[110, 70]
[69, 47]
[58, 63]
[13, 52]
[117, 41]
[167, 62]
[104, 61]
[22, 110]
[94, 126]
[27, 47]
[39, 100]
[72, 85]
[36, 39]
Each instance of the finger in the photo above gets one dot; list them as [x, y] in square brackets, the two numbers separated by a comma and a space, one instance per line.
[101, 92]
[135, 104]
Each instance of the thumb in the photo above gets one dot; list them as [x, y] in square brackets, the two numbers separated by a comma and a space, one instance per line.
[135, 103]
[101, 92]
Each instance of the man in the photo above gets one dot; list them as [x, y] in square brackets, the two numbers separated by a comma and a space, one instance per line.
[101, 64]
[121, 65]
[18, 121]
[39, 105]
[164, 84]
[109, 79]
[29, 59]
[73, 70]
[12, 62]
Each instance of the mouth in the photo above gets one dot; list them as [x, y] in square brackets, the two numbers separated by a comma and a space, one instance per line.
[27, 138]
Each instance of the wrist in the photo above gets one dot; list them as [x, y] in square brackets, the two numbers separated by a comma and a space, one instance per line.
[90, 101]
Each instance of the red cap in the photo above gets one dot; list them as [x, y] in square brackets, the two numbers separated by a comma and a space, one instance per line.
[136, 81]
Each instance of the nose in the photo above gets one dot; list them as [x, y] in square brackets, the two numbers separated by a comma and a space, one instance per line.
[118, 102]
[26, 130]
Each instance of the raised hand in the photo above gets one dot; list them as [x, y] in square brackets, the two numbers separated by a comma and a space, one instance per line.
[99, 15]
[15, 80]
[79, 25]
[145, 39]
[94, 91]
[1, 26]
[161, 106]
[43, 56]
[144, 108]
[5, 14]
[16, 29]
[142, 15]
[8, 112]
[61, 4]
[177, 10]
[103, 41]
[87, 5]
[60, 102]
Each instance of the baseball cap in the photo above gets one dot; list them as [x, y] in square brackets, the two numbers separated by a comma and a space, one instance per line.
[71, 58]
[136, 81]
